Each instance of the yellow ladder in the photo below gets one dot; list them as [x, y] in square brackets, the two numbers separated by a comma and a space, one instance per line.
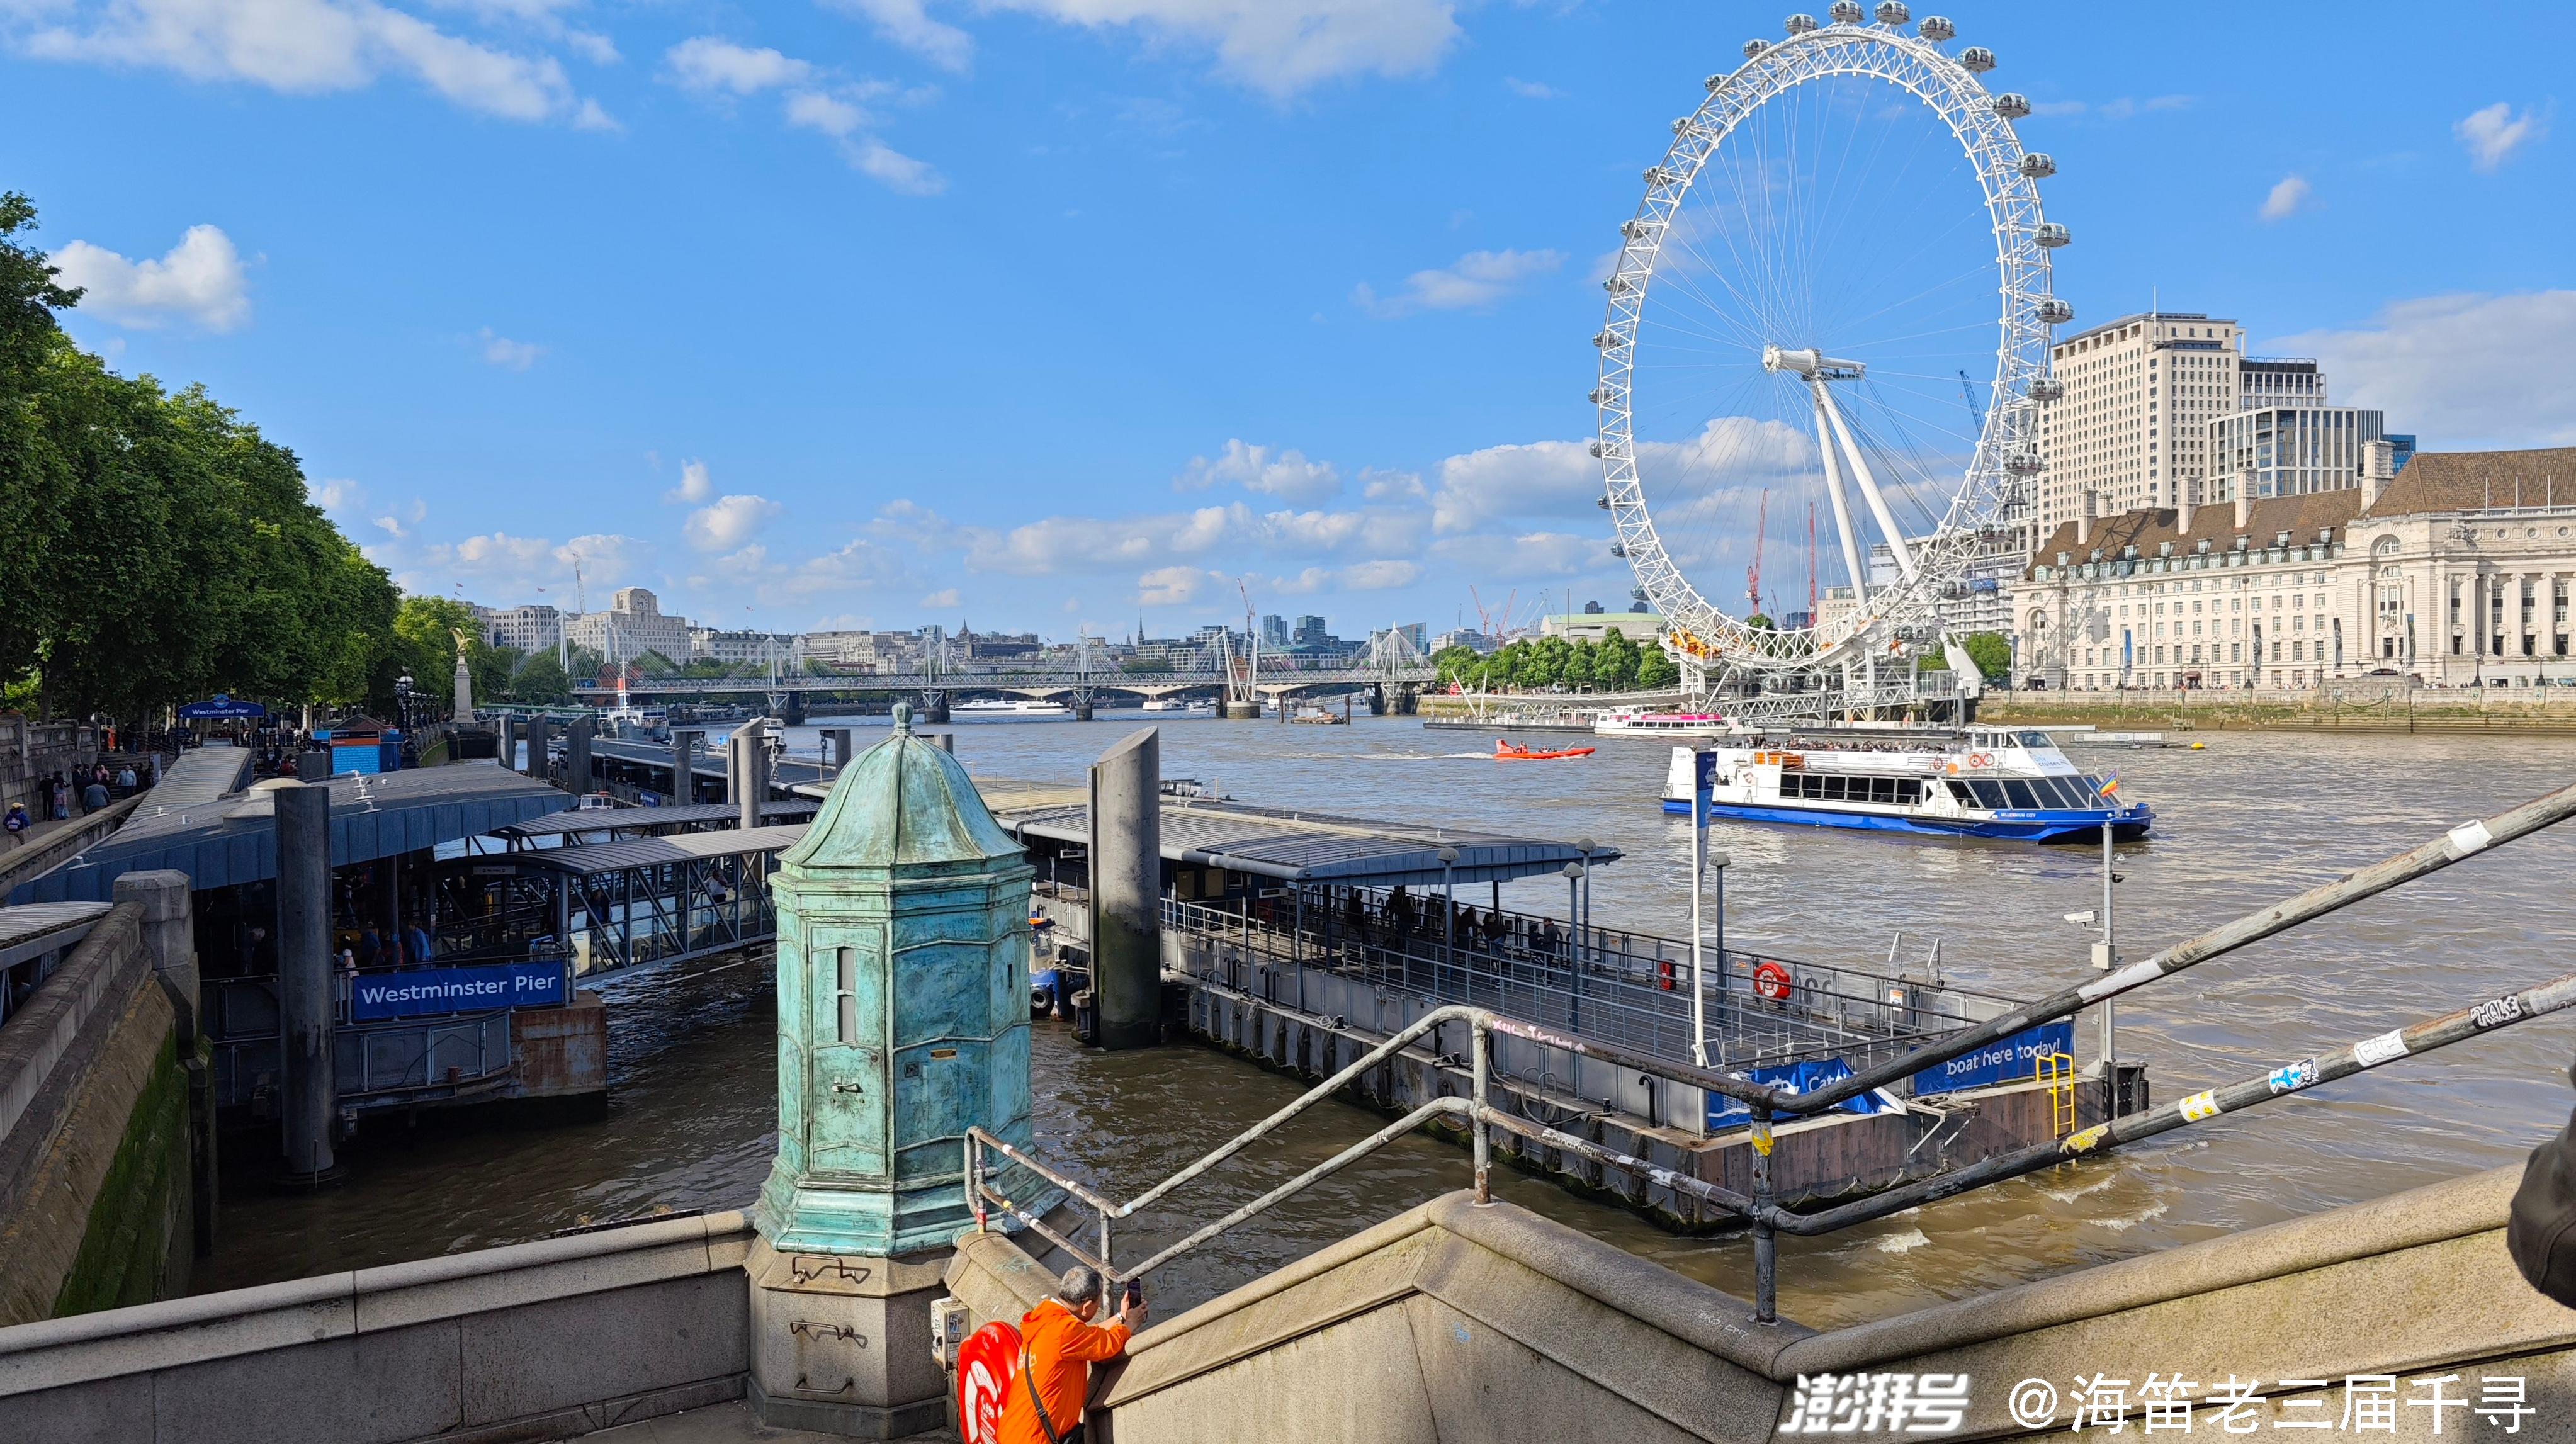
[2057, 1070]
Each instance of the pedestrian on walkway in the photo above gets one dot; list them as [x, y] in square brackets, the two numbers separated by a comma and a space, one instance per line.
[18, 823]
[1058, 1344]
[94, 798]
[125, 779]
[58, 792]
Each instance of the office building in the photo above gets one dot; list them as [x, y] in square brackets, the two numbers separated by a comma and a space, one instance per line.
[2131, 416]
[528, 629]
[632, 626]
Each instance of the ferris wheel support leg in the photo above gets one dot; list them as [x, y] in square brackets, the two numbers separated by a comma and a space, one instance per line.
[1842, 508]
[1868, 484]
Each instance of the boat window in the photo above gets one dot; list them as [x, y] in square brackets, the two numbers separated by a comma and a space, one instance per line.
[1960, 791]
[1909, 790]
[2035, 739]
[1835, 789]
[2091, 787]
[2020, 793]
[1882, 789]
[1989, 794]
[2064, 792]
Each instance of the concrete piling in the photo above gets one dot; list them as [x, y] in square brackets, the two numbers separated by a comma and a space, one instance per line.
[747, 772]
[538, 727]
[685, 742]
[1127, 891]
[309, 1096]
[838, 741]
[577, 779]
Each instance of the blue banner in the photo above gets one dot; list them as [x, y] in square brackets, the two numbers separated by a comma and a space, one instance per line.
[222, 709]
[2006, 1060]
[456, 990]
[1807, 1077]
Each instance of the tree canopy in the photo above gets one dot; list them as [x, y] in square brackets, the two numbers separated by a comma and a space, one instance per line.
[1616, 663]
[154, 547]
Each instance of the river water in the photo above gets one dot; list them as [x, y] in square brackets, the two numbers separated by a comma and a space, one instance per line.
[2252, 818]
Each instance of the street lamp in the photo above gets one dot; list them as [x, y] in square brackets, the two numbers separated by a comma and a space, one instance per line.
[1575, 873]
[403, 698]
[1448, 906]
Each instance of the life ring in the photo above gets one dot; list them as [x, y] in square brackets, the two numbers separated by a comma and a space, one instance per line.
[1981, 759]
[1771, 982]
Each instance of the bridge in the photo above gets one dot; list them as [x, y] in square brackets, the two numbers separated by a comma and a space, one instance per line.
[1393, 671]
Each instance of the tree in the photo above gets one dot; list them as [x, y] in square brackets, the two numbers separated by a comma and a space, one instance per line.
[1991, 653]
[1655, 671]
[1458, 663]
[540, 679]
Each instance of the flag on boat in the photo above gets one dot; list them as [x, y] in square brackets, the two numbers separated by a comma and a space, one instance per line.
[2111, 786]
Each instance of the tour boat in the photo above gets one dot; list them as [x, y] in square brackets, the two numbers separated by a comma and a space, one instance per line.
[1187, 707]
[1980, 782]
[1506, 750]
[1019, 707]
[1638, 722]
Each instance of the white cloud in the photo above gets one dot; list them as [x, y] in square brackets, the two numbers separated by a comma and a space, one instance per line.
[509, 355]
[201, 279]
[1170, 586]
[1563, 478]
[1539, 477]
[2288, 197]
[705, 62]
[1528, 556]
[1531, 89]
[1398, 486]
[306, 47]
[336, 494]
[2495, 133]
[1279, 47]
[1477, 280]
[812, 101]
[942, 599]
[728, 523]
[2470, 370]
[907, 23]
[694, 485]
[1285, 474]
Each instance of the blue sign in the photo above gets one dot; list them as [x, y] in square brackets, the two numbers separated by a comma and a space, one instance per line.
[2006, 1060]
[1807, 1077]
[456, 990]
[222, 709]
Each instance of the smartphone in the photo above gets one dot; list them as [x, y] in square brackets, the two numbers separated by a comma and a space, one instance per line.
[1135, 1293]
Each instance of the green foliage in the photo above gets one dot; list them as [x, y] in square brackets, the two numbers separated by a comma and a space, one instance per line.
[540, 679]
[1991, 653]
[153, 546]
[1616, 663]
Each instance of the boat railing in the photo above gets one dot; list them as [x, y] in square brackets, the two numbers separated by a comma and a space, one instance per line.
[1768, 1105]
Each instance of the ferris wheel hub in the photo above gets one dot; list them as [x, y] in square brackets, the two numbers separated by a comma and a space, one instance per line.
[1811, 364]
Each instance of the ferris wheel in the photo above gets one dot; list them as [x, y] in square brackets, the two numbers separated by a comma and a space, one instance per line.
[1827, 341]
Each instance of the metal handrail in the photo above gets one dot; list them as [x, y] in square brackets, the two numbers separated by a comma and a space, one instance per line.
[1761, 1208]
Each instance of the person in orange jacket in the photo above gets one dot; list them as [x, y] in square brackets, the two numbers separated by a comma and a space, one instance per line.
[1058, 1344]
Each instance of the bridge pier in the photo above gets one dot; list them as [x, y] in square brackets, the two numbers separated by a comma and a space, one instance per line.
[1408, 700]
[934, 708]
[1377, 699]
[1233, 711]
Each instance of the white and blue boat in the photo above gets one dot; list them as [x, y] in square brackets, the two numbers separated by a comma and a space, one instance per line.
[1979, 782]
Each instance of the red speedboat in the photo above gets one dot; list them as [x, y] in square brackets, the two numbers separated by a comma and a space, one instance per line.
[1506, 750]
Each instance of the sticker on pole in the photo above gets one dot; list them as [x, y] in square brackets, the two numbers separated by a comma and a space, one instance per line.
[987, 1365]
[2371, 1052]
[1772, 981]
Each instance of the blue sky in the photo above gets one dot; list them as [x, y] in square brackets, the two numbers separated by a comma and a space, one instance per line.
[1045, 312]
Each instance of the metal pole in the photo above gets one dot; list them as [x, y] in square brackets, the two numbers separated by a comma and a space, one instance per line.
[1766, 1246]
[1698, 1002]
[2110, 1008]
[1481, 1039]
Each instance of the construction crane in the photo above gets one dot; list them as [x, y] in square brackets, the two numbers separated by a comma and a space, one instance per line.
[1976, 412]
[1494, 625]
[1753, 573]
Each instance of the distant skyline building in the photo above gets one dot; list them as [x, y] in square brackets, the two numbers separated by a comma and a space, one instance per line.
[537, 628]
[1274, 632]
[632, 626]
[2136, 396]
[2288, 451]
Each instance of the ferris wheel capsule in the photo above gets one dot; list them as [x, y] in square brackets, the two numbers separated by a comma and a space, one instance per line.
[1893, 12]
[2012, 106]
[2052, 235]
[1977, 59]
[2038, 165]
[1801, 24]
[2053, 312]
[2047, 388]
[1752, 50]
[1937, 29]
[1845, 12]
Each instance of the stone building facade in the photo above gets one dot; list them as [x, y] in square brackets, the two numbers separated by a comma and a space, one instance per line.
[2457, 572]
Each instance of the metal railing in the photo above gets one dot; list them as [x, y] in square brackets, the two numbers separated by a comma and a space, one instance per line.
[1760, 1208]
[1626, 988]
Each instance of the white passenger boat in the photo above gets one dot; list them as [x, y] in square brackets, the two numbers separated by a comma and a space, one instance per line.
[1017, 709]
[1639, 722]
[1980, 782]
[1181, 706]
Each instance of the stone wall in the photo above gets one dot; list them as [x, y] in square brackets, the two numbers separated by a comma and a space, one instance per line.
[33, 750]
[544, 1340]
[98, 1145]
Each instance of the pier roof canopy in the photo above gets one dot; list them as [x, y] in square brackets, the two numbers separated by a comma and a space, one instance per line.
[228, 839]
[1313, 848]
[652, 851]
[644, 819]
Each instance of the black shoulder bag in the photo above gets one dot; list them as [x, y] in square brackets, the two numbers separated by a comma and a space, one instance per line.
[1029, 1377]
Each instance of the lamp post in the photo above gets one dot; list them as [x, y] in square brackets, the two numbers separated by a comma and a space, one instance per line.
[403, 698]
[1575, 872]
